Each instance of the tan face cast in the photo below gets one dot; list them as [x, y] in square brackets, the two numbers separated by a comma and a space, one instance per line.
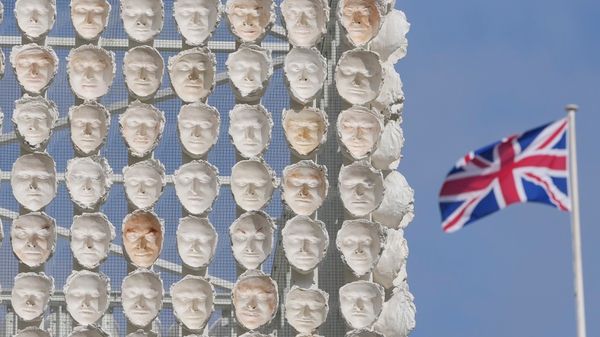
[198, 125]
[196, 19]
[304, 186]
[305, 21]
[91, 235]
[252, 239]
[142, 238]
[89, 124]
[86, 295]
[360, 242]
[196, 241]
[33, 238]
[306, 309]
[143, 69]
[91, 71]
[252, 184]
[249, 20]
[33, 180]
[34, 118]
[361, 188]
[361, 303]
[254, 300]
[192, 74]
[89, 17]
[141, 296]
[35, 66]
[305, 242]
[88, 180]
[361, 19]
[358, 76]
[193, 301]
[35, 18]
[30, 294]
[305, 130]
[359, 130]
[142, 19]
[197, 186]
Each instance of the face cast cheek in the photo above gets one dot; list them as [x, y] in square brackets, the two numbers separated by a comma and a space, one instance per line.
[361, 303]
[251, 239]
[249, 19]
[142, 19]
[143, 69]
[89, 17]
[250, 129]
[255, 301]
[89, 124]
[197, 186]
[196, 19]
[35, 17]
[30, 294]
[198, 125]
[141, 296]
[193, 299]
[142, 238]
[33, 180]
[33, 238]
[358, 76]
[196, 241]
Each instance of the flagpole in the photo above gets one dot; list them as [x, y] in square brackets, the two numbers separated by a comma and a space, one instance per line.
[575, 226]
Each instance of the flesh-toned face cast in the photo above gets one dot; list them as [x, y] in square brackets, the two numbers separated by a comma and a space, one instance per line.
[305, 21]
[361, 188]
[141, 126]
[34, 118]
[305, 242]
[250, 129]
[361, 19]
[359, 130]
[33, 331]
[305, 72]
[196, 19]
[89, 126]
[192, 74]
[35, 18]
[359, 76]
[30, 294]
[197, 186]
[143, 69]
[252, 184]
[142, 19]
[249, 69]
[88, 331]
[88, 181]
[33, 180]
[33, 238]
[252, 238]
[361, 303]
[144, 182]
[89, 17]
[142, 295]
[35, 66]
[306, 309]
[255, 299]
[196, 241]
[360, 242]
[249, 20]
[142, 238]
[305, 130]
[305, 186]
[193, 301]
[91, 235]
[198, 125]
[91, 71]
[86, 294]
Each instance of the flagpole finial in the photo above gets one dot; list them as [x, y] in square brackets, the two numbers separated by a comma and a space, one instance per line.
[572, 107]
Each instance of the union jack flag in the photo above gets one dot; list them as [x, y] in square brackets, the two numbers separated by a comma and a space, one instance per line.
[532, 166]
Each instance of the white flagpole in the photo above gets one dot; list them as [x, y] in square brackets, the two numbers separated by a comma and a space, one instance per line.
[575, 227]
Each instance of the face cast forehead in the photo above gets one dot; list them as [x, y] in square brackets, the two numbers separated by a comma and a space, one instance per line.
[254, 299]
[252, 184]
[88, 180]
[35, 66]
[142, 237]
[306, 309]
[142, 296]
[305, 242]
[305, 72]
[361, 188]
[91, 71]
[142, 127]
[359, 130]
[91, 235]
[144, 183]
[34, 118]
[305, 186]
[33, 238]
[143, 69]
[252, 238]
[361, 303]
[305, 21]
[35, 18]
[198, 125]
[360, 242]
[86, 294]
[33, 331]
[192, 74]
[33, 180]
[197, 186]
[89, 17]
[30, 294]
[358, 76]
[193, 301]
[142, 19]
[250, 129]
[196, 241]
[249, 20]
[305, 130]
[249, 69]
[196, 19]
[89, 124]
[361, 19]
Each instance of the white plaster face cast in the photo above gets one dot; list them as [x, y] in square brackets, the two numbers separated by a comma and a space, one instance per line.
[361, 243]
[35, 66]
[197, 19]
[143, 234]
[197, 186]
[306, 309]
[305, 21]
[388, 153]
[33, 331]
[255, 299]
[198, 125]
[249, 69]
[305, 72]
[33, 180]
[361, 188]
[33, 238]
[391, 43]
[361, 303]
[305, 186]
[390, 270]
[250, 20]
[397, 209]
[196, 241]
[305, 130]
[193, 301]
[250, 129]
[88, 181]
[252, 184]
[398, 314]
[141, 295]
[35, 18]
[88, 331]
[359, 76]
[86, 294]
[141, 127]
[142, 19]
[192, 74]
[361, 19]
[89, 124]
[89, 17]
[91, 71]
[143, 68]
[359, 130]
[30, 294]
[91, 235]
[34, 118]
[305, 242]
[144, 183]
[252, 238]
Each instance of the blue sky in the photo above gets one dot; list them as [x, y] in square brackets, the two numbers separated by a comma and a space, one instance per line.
[477, 71]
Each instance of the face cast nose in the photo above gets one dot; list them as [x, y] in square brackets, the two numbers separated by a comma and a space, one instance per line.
[142, 130]
[89, 243]
[89, 17]
[250, 189]
[33, 184]
[87, 129]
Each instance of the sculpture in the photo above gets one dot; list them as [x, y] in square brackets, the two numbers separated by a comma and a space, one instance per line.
[359, 76]
[361, 188]
[143, 69]
[34, 118]
[250, 129]
[89, 123]
[249, 69]
[252, 184]
[360, 243]
[88, 181]
[142, 19]
[305, 73]
[361, 303]
[305, 186]
[192, 73]
[141, 295]
[361, 19]
[306, 309]
[33, 331]
[193, 301]
[143, 234]
[250, 20]
[397, 319]
[86, 295]
[91, 71]
[390, 270]
[252, 238]
[196, 241]
[197, 186]
[35, 18]
[30, 295]
[141, 127]
[305, 242]
[391, 43]
[33, 180]
[305, 21]
[33, 238]
[364, 333]
[144, 183]
[397, 208]
[255, 299]
[34, 65]
[197, 19]
[359, 130]
[388, 153]
[89, 17]
[305, 130]
[88, 331]
[198, 126]
[91, 235]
